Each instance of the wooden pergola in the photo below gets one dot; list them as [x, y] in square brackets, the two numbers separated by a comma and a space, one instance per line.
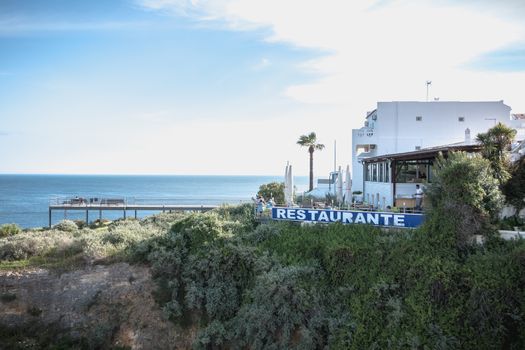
[423, 156]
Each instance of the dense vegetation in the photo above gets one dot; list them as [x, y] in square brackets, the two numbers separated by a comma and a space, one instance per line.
[286, 285]
[282, 285]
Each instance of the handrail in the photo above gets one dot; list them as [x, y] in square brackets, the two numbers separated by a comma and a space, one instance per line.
[118, 200]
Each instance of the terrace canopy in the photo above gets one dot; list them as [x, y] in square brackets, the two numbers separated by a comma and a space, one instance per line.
[394, 176]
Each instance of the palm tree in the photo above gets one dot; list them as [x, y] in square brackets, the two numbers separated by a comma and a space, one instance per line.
[310, 141]
[495, 144]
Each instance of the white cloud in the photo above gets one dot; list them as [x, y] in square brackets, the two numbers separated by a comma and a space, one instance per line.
[380, 51]
[384, 51]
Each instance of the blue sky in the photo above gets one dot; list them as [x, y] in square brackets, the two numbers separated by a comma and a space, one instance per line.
[226, 86]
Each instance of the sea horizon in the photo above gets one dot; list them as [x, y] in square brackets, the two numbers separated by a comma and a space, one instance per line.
[25, 198]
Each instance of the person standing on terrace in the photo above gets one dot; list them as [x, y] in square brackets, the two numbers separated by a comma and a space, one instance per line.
[419, 197]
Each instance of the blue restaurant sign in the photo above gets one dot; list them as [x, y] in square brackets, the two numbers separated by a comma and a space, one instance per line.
[385, 219]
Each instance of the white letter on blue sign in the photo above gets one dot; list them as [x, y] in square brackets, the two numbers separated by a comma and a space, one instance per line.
[347, 217]
[323, 216]
[312, 214]
[281, 213]
[291, 214]
[399, 220]
[372, 218]
[386, 218]
[360, 219]
[337, 216]
[300, 214]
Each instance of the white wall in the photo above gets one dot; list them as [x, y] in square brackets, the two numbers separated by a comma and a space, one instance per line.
[440, 125]
[396, 130]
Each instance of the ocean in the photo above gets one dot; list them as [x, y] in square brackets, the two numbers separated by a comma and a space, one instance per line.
[24, 199]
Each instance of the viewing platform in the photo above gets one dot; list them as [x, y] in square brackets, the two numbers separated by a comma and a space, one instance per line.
[121, 204]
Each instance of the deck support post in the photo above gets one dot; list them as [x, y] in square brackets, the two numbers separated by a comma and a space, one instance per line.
[124, 214]
[100, 214]
[135, 214]
[49, 217]
[87, 217]
[393, 165]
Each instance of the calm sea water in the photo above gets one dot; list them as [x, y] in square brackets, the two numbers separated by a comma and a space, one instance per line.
[24, 199]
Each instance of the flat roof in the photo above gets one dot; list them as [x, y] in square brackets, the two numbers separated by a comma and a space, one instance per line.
[425, 153]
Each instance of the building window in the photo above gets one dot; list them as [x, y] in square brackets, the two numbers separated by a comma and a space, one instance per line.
[381, 172]
[461, 119]
[413, 171]
[419, 118]
[374, 172]
[387, 172]
[418, 148]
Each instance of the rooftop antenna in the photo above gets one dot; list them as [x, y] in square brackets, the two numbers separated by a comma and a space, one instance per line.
[429, 82]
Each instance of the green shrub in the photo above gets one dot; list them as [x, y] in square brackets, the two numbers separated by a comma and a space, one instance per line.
[29, 244]
[9, 230]
[117, 240]
[242, 214]
[273, 190]
[514, 188]
[66, 225]
[465, 199]
[283, 311]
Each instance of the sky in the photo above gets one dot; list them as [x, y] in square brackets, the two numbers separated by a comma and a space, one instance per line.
[228, 86]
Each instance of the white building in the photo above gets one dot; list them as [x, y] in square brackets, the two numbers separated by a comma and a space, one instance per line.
[397, 127]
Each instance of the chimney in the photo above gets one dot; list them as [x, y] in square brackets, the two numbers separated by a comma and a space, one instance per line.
[467, 136]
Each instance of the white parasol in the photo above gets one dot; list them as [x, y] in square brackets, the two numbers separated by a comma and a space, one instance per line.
[289, 202]
[339, 186]
[286, 185]
[348, 186]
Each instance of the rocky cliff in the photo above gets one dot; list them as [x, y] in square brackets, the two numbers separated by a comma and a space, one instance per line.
[106, 306]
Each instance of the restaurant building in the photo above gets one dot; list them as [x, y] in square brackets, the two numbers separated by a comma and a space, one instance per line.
[397, 146]
[391, 179]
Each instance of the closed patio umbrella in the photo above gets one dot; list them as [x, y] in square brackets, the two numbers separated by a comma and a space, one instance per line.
[290, 186]
[348, 186]
[286, 185]
[339, 186]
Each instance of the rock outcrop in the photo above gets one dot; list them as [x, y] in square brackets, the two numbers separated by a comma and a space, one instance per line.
[108, 305]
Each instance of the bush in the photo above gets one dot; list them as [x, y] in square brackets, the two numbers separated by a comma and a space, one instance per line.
[66, 226]
[273, 190]
[117, 240]
[283, 311]
[514, 188]
[242, 215]
[29, 244]
[464, 198]
[9, 230]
